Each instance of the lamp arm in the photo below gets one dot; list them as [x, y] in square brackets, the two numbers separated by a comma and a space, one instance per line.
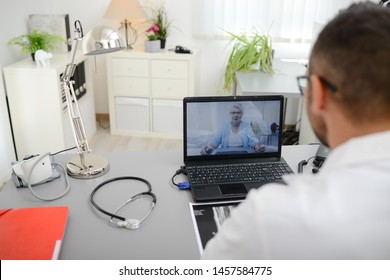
[100, 40]
[77, 123]
[76, 119]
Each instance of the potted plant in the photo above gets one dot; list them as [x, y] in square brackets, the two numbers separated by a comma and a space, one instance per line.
[159, 18]
[36, 40]
[249, 53]
[153, 44]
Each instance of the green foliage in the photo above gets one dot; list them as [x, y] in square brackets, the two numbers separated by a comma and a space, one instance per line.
[36, 40]
[248, 51]
[152, 37]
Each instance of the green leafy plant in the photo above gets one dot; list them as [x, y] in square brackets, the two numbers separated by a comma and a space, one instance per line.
[36, 40]
[250, 52]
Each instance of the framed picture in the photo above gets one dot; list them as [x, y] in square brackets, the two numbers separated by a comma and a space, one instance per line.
[54, 24]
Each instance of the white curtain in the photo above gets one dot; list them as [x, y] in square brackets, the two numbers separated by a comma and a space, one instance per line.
[284, 20]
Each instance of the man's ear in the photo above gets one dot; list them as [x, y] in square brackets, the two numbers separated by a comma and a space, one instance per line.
[319, 95]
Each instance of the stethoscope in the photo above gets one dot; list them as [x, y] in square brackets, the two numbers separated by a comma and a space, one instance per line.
[129, 223]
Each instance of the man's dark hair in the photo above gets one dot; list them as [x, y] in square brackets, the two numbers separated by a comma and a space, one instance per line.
[353, 53]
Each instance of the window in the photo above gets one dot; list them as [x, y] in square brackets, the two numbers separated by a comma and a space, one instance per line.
[284, 20]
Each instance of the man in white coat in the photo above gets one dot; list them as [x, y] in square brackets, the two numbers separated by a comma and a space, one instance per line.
[343, 212]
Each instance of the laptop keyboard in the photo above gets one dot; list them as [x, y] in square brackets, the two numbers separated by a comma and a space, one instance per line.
[251, 172]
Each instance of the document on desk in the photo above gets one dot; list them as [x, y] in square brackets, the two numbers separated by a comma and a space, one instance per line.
[207, 219]
[32, 233]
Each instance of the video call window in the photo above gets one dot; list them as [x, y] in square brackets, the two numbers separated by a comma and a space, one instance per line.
[210, 123]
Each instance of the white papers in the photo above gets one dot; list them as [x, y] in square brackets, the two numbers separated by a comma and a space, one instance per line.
[207, 219]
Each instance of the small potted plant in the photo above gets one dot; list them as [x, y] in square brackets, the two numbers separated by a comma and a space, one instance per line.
[159, 18]
[36, 40]
[249, 53]
[153, 43]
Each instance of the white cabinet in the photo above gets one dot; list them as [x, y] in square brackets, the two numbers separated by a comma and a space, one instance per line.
[167, 116]
[146, 91]
[37, 104]
[132, 114]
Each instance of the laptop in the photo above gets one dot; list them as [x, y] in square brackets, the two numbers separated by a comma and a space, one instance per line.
[232, 144]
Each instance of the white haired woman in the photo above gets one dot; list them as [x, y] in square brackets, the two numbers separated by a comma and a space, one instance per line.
[234, 133]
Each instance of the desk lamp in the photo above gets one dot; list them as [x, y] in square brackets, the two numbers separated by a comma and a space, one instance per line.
[100, 40]
[124, 9]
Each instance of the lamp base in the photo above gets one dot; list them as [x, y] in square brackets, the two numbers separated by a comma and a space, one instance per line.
[95, 166]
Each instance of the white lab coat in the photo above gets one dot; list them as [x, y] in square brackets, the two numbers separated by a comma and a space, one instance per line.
[343, 212]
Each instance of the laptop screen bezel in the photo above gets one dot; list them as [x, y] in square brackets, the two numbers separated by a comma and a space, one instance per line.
[256, 98]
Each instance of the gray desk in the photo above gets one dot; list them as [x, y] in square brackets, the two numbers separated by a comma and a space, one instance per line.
[167, 234]
[281, 82]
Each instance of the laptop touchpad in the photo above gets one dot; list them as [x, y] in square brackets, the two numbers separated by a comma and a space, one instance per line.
[232, 189]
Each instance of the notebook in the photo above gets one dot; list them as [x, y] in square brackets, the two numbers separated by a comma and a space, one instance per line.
[32, 233]
[232, 144]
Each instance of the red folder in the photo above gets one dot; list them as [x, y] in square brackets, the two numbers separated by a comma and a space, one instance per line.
[32, 233]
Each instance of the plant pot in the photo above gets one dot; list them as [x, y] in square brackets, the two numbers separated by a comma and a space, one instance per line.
[163, 41]
[257, 66]
[152, 46]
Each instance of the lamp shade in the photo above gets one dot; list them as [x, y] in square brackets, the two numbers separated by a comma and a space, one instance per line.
[124, 9]
[102, 39]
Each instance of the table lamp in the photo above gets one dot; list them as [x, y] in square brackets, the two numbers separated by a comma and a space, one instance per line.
[99, 40]
[126, 9]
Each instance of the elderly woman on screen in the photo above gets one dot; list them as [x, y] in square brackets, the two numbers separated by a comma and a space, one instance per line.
[234, 133]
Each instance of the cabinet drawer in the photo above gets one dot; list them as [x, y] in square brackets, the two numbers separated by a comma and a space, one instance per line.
[168, 116]
[169, 69]
[130, 67]
[130, 86]
[169, 88]
[132, 114]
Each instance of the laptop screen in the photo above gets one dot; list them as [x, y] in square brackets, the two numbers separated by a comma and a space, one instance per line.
[232, 127]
